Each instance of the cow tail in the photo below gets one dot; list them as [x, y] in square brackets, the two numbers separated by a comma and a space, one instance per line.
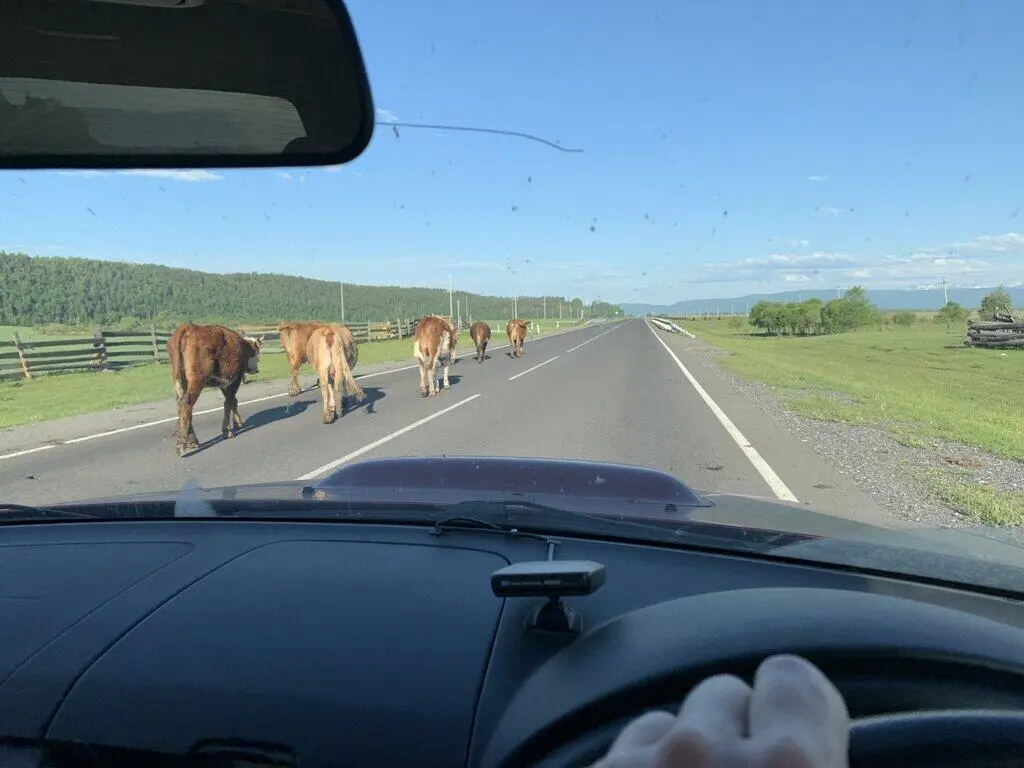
[351, 385]
[176, 358]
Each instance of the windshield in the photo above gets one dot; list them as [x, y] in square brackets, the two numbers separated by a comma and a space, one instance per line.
[771, 249]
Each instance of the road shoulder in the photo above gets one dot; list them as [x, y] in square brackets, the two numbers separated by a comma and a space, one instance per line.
[802, 463]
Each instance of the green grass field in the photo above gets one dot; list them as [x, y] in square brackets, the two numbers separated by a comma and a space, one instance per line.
[919, 383]
[58, 395]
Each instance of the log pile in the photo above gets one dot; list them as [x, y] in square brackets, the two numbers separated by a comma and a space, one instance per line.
[1003, 332]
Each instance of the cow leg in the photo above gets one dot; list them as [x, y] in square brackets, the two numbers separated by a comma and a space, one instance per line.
[424, 387]
[433, 376]
[337, 396]
[232, 419]
[447, 365]
[326, 398]
[186, 436]
[293, 385]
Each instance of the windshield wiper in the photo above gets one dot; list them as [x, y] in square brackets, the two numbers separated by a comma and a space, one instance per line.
[521, 518]
[24, 513]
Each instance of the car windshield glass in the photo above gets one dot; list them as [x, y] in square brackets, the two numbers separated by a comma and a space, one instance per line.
[771, 251]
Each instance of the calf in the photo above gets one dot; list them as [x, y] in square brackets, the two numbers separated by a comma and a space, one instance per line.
[294, 340]
[516, 330]
[333, 354]
[480, 333]
[209, 356]
[434, 344]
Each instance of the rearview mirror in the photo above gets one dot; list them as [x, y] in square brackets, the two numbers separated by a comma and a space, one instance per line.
[103, 84]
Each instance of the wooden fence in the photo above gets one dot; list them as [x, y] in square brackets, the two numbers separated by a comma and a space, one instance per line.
[114, 350]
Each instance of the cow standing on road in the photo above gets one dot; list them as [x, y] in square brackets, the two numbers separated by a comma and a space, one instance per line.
[516, 330]
[434, 344]
[294, 339]
[480, 333]
[330, 349]
[209, 356]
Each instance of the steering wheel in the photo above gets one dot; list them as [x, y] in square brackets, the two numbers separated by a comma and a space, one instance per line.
[927, 739]
[964, 738]
[925, 685]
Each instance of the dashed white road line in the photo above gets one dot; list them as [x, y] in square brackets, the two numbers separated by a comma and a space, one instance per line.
[538, 365]
[157, 422]
[778, 487]
[595, 338]
[387, 438]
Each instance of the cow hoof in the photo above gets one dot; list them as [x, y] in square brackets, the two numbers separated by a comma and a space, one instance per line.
[294, 392]
[227, 435]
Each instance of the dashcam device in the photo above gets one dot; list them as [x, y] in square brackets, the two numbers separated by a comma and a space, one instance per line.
[548, 578]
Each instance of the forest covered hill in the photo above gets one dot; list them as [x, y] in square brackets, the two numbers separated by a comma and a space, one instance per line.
[49, 290]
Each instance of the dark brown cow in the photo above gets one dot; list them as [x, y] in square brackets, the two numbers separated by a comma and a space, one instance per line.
[209, 356]
[434, 344]
[294, 339]
[480, 333]
[332, 353]
[516, 330]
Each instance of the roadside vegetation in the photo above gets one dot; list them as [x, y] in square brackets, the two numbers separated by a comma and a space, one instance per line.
[907, 372]
[57, 395]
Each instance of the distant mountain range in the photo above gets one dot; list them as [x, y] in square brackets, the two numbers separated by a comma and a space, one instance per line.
[970, 298]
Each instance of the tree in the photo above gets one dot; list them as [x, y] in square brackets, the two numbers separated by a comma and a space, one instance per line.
[952, 314]
[994, 303]
[904, 319]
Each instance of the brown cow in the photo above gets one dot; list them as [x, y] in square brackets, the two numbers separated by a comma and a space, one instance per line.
[480, 333]
[332, 353]
[209, 356]
[434, 344]
[516, 330]
[294, 339]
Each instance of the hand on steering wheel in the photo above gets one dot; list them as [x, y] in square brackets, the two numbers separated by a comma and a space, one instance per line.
[793, 717]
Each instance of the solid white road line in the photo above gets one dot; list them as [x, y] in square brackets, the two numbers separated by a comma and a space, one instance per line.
[157, 422]
[778, 487]
[523, 373]
[593, 339]
[387, 438]
[28, 451]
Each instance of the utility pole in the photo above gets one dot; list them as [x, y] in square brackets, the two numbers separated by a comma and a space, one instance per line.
[545, 307]
[945, 294]
[341, 289]
[559, 310]
[450, 305]
[458, 308]
[515, 305]
[468, 315]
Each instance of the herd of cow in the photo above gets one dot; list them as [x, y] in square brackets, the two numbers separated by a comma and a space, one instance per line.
[204, 356]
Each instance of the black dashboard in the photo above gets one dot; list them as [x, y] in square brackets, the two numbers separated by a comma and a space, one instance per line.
[276, 643]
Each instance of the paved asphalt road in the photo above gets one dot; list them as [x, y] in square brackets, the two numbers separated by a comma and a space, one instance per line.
[610, 392]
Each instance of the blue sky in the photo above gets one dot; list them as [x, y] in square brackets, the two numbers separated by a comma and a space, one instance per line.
[730, 146]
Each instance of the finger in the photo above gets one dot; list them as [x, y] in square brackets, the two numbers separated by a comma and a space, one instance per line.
[642, 732]
[718, 706]
[712, 722]
[796, 713]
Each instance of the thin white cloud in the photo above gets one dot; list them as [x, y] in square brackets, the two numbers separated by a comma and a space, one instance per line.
[795, 278]
[828, 210]
[296, 177]
[816, 177]
[385, 115]
[192, 174]
[798, 243]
